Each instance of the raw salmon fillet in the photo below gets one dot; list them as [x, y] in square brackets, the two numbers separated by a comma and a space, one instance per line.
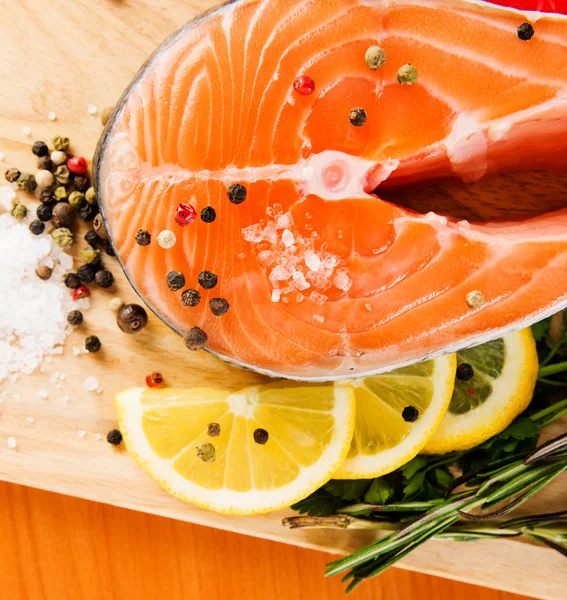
[437, 224]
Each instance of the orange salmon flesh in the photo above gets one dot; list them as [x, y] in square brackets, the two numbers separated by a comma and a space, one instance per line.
[439, 222]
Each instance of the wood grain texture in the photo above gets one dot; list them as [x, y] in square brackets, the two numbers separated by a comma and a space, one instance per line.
[62, 58]
[57, 547]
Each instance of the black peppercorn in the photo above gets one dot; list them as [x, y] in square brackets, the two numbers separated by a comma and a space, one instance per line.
[91, 237]
[132, 318]
[44, 212]
[109, 248]
[525, 32]
[410, 414]
[195, 339]
[207, 280]
[104, 279]
[261, 436]
[219, 306]
[46, 197]
[44, 163]
[190, 298]
[86, 273]
[81, 182]
[237, 193]
[88, 212]
[465, 372]
[358, 117]
[37, 227]
[12, 175]
[143, 238]
[92, 343]
[72, 281]
[40, 149]
[63, 215]
[208, 214]
[213, 429]
[175, 280]
[114, 437]
[75, 317]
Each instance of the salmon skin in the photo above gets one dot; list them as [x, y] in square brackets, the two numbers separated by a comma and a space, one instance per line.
[373, 223]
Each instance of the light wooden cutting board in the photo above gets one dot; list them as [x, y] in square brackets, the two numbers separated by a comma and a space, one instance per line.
[62, 56]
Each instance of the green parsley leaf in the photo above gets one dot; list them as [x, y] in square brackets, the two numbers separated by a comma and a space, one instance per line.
[347, 489]
[379, 492]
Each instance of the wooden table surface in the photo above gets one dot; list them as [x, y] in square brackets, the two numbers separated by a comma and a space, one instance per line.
[57, 547]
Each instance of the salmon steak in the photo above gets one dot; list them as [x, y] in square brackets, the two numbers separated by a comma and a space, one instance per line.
[321, 190]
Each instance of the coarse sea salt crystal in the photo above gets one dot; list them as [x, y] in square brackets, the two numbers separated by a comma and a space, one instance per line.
[12, 442]
[252, 233]
[284, 221]
[92, 109]
[342, 282]
[43, 394]
[300, 282]
[27, 131]
[81, 433]
[319, 318]
[276, 295]
[312, 261]
[266, 258]
[91, 383]
[1, 156]
[270, 233]
[280, 273]
[288, 238]
[33, 313]
[30, 419]
[368, 306]
[52, 116]
[318, 298]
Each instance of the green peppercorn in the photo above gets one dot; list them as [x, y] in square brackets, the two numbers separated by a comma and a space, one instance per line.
[12, 175]
[81, 182]
[375, 57]
[62, 237]
[131, 318]
[40, 149]
[206, 452]
[89, 254]
[62, 175]
[44, 163]
[60, 142]
[104, 279]
[18, 211]
[98, 226]
[407, 75]
[37, 227]
[114, 437]
[76, 199]
[27, 182]
[90, 196]
[44, 272]
[72, 281]
[75, 317]
[63, 215]
[60, 193]
[92, 343]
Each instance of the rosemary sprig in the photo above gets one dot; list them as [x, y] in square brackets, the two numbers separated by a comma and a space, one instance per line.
[505, 483]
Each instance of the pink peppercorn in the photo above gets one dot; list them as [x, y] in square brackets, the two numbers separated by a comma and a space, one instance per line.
[185, 214]
[77, 165]
[304, 85]
[81, 292]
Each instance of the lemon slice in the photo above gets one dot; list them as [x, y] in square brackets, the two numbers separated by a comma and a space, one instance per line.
[504, 374]
[250, 452]
[396, 415]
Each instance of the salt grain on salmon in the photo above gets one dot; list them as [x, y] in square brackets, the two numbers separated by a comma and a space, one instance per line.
[288, 238]
[318, 298]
